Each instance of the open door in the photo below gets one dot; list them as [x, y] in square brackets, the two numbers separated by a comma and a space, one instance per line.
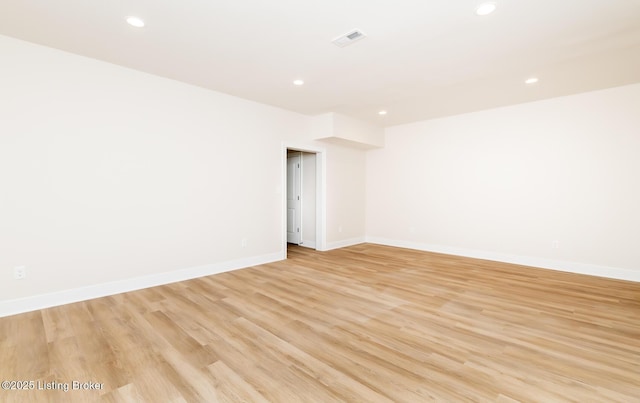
[294, 213]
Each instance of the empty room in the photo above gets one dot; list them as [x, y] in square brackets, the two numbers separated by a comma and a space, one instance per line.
[320, 201]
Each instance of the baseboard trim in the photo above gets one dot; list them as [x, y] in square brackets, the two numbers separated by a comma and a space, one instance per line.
[344, 243]
[308, 244]
[551, 264]
[21, 305]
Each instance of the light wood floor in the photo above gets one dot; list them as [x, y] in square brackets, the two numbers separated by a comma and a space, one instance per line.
[366, 323]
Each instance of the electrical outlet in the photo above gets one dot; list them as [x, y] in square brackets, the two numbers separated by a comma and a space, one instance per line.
[555, 244]
[339, 228]
[244, 242]
[19, 272]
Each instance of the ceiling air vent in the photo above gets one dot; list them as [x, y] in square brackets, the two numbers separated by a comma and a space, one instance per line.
[349, 38]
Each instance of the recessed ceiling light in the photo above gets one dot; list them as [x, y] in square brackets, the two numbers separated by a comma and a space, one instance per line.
[531, 80]
[486, 8]
[298, 82]
[382, 113]
[135, 22]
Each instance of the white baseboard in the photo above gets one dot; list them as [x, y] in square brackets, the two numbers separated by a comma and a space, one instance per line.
[21, 305]
[308, 244]
[344, 243]
[543, 263]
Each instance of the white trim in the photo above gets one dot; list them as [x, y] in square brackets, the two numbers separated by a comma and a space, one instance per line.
[21, 305]
[543, 263]
[345, 242]
[308, 244]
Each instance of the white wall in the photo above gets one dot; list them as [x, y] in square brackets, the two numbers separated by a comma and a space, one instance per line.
[554, 183]
[111, 175]
[340, 129]
[354, 130]
[346, 169]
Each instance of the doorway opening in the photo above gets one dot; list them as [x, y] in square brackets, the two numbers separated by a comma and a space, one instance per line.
[304, 198]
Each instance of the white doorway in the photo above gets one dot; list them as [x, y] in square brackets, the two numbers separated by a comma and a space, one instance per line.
[304, 197]
[294, 193]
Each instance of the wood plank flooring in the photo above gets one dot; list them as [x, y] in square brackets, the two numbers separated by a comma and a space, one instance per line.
[361, 324]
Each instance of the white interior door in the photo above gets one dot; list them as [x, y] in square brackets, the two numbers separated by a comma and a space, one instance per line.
[294, 215]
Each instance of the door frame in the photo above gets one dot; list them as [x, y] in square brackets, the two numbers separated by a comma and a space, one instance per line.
[297, 155]
[321, 188]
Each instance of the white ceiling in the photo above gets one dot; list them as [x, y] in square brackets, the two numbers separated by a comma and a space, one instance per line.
[421, 59]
